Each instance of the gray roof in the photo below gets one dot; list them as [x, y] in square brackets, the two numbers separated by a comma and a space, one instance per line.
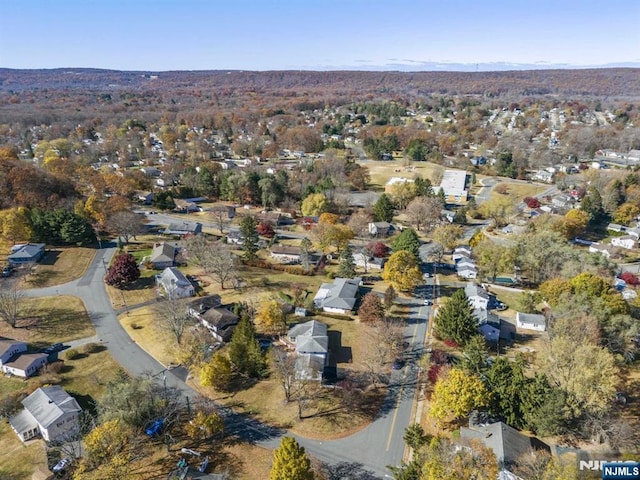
[341, 293]
[23, 361]
[506, 442]
[312, 328]
[23, 422]
[531, 318]
[47, 404]
[485, 316]
[7, 343]
[475, 290]
[30, 250]
[173, 275]
[184, 227]
[163, 252]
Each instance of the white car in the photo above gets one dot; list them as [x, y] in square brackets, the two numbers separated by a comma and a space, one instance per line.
[428, 302]
[61, 465]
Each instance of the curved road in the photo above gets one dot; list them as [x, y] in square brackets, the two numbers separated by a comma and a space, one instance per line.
[364, 455]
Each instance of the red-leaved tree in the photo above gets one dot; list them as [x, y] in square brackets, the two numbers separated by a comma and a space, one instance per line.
[629, 278]
[123, 270]
[377, 249]
[532, 202]
[265, 229]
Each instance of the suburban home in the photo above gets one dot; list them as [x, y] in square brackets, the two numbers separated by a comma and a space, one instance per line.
[467, 272]
[626, 241]
[276, 219]
[185, 206]
[478, 296]
[174, 284]
[478, 161]
[339, 296]
[9, 348]
[461, 251]
[25, 364]
[220, 321]
[151, 171]
[163, 255]
[183, 228]
[311, 348]
[145, 197]
[634, 232]
[23, 254]
[367, 262]
[507, 443]
[286, 253]
[604, 250]
[234, 237]
[465, 262]
[531, 321]
[50, 412]
[381, 229]
[615, 227]
[493, 328]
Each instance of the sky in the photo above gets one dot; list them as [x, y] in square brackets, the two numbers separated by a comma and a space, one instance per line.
[160, 35]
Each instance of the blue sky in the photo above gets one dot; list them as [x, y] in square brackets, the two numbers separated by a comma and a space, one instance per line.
[314, 34]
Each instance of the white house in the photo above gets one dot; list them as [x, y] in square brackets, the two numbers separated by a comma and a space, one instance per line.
[461, 251]
[468, 273]
[604, 250]
[311, 348]
[25, 364]
[174, 283]
[367, 262]
[50, 412]
[531, 321]
[380, 229]
[339, 296]
[626, 241]
[478, 296]
[286, 253]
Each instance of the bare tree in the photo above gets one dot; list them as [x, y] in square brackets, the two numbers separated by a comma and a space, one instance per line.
[174, 317]
[11, 302]
[424, 212]
[386, 343]
[359, 223]
[221, 218]
[284, 369]
[215, 258]
[126, 225]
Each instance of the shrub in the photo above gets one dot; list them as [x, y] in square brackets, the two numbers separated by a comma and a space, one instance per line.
[91, 348]
[434, 373]
[71, 354]
[54, 367]
[451, 343]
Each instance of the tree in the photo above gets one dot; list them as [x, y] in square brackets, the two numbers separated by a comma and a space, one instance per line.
[475, 356]
[124, 270]
[173, 316]
[424, 212]
[415, 437]
[456, 394]
[390, 296]
[15, 224]
[305, 253]
[283, 366]
[314, 204]
[215, 258]
[377, 249]
[244, 350]
[574, 223]
[205, 424]
[290, 462]
[221, 218]
[407, 240]
[532, 202]
[402, 193]
[265, 229]
[249, 232]
[423, 187]
[493, 258]
[163, 200]
[11, 302]
[217, 373]
[383, 209]
[346, 267]
[371, 309]
[270, 317]
[401, 270]
[125, 224]
[448, 235]
[626, 213]
[592, 204]
[359, 223]
[505, 166]
[498, 209]
[507, 382]
[456, 320]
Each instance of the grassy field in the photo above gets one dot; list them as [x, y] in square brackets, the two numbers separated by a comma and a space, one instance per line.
[518, 191]
[18, 460]
[59, 265]
[382, 171]
[140, 291]
[49, 320]
[142, 326]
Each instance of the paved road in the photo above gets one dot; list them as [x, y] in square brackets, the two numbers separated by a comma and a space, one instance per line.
[370, 450]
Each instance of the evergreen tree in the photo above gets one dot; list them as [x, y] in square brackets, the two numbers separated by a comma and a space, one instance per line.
[244, 351]
[442, 196]
[390, 296]
[423, 187]
[408, 240]
[455, 320]
[346, 268]
[290, 462]
[123, 270]
[475, 358]
[305, 256]
[383, 209]
[507, 383]
[163, 200]
[249, 232]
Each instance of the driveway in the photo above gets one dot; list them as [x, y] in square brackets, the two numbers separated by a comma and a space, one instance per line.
[369, 451]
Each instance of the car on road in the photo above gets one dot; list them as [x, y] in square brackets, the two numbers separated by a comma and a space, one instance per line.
[397, 364]
[428, 302]
[61, 465]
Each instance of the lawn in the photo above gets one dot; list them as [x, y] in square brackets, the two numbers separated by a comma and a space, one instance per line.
[49, 320]
[59, 265]
[141, 325]
[18, 460]
[382, 171]
[141, 291]
[518, 191]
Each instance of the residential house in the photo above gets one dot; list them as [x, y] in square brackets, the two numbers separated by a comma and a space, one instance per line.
[493, 328]
[381, 229]
[25, 364]
[634, 155]
[634, 232]
[9, 348]
[183, 228]
[462, 251]
[478, 161]
[286, 253]
[614, 227]
[465, 262]
[50, 412]
[311, 348]
[163, 255]
[220, 321]
[151, 171]
[507, 443]
[367, 262]
[478, 297]
[146, 198]
[276, 219]
[185, 206]
[24, 254]
[448, 215]
[604, 250]
[174, 284]
[531, 321]
[339, 296]
[513, 229]
[626, 241]
[234, 237]
[467, 272]
[542, 176]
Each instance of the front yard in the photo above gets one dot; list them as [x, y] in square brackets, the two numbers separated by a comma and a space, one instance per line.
[59, 265]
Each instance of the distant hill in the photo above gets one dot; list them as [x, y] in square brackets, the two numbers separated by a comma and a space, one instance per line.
[618, 82]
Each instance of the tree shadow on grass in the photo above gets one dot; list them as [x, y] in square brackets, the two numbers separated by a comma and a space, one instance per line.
[347, 470]
[56, 322]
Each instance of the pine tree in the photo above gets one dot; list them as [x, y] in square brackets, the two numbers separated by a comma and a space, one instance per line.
[290, 462]
[346, 268]
[244, 350]
[455, 320]
[383, 209]
[408, 240]
[249, 232]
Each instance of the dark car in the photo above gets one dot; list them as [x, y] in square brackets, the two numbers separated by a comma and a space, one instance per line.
[56, 347]
[398, 363]
[7, 271]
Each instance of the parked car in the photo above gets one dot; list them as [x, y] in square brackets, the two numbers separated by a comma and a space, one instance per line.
[398, 363]
[61, 465]
[428, 302]
[7, 271]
